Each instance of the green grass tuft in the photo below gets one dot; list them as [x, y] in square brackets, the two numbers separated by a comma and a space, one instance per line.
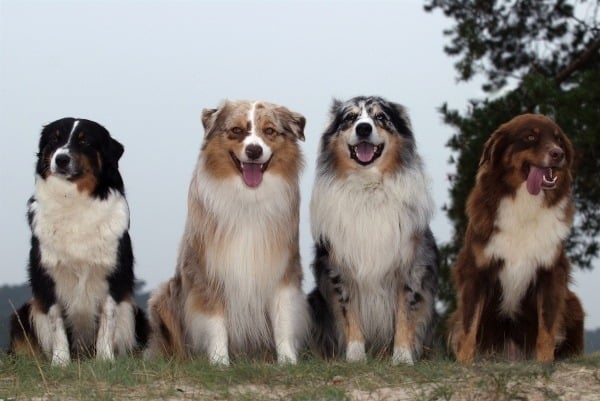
[24, 378]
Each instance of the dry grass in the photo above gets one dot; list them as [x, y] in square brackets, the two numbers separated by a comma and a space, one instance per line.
[312, 379]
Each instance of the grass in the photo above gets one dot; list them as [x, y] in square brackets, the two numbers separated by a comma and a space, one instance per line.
[23, 378]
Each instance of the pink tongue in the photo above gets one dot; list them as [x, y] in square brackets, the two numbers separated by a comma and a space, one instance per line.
[252, 174]
[534, 180]
[365, 152]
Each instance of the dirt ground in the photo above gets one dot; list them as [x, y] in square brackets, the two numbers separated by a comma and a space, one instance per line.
[569, 383]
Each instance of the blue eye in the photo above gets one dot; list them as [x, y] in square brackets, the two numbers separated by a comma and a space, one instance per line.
[380, 117]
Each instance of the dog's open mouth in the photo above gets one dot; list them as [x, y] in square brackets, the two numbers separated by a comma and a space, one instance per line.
[252, 173]
[539, 178]
[365, 152]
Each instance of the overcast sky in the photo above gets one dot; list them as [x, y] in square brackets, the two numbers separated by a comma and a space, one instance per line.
[145, 70]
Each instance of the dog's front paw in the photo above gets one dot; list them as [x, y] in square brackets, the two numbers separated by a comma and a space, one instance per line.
[355, 352]
[105, 353]
[465, 353]
[286, 354]
[60, 357]
[402, 355]
[219, 357]
[285, 359]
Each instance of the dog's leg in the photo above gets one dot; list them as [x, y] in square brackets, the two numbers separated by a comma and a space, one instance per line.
[50, 329]
[217, 344]
[549, 309]
[207, 329]
[106, 331]
[546, 337]
[124, 338]
[355, 340]
[289, 316]
[404, 336]
[467, 340]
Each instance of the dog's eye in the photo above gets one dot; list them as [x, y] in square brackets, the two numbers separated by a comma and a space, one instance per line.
[380, 117]
[531, 138]
[237, 130]
[81, 139]
[56, 136]
[269, 131]
[350, 117]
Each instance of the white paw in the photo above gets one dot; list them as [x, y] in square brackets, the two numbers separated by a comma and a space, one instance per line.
[402, 355]
[105, 353]
[219, 358]
[286, 355]
[61, 357]
[355, 352]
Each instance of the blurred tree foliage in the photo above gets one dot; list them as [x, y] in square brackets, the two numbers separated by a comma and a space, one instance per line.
[537, 56]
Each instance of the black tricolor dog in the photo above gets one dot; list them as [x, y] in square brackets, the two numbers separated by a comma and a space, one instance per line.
[81, 259]
[376, 259]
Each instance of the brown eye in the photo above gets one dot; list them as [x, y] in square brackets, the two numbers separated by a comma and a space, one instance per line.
[269, 131]
[531, 138]
[237, 130]
[81, 139]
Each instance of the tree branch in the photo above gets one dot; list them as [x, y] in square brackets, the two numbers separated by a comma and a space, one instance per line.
[575, 65]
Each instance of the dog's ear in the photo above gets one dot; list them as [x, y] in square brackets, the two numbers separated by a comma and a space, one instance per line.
[336, 107]
[487, 150]
[209, 117]
[335, 118]
[112, 150]
[115, 149]
[298, 122]
[292, 122]
[495, 146]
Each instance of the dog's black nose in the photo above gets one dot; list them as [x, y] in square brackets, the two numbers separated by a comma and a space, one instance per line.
[363, 130]
[253, 151]
[62, 160]
[557, 154]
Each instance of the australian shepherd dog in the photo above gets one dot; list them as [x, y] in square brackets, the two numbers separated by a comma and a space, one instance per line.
[237, 285]
[376, 259]
[511, 275]
[81, 260]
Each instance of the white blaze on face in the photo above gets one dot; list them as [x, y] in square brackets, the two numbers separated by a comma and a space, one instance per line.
[255, 153]
[365, 146]
[63, 150]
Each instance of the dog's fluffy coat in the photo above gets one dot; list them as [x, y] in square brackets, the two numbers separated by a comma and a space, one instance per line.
[81, 260]
[511, 275]
[376, 260]
[237, 285]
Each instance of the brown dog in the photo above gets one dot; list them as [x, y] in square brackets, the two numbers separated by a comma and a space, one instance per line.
[511, 276]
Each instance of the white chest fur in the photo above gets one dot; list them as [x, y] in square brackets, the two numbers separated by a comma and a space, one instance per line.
[529, 237]
[370, 219]
[249, 251]
[79, 238]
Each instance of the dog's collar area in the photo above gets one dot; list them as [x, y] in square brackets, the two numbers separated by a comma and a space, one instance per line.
[365, 153]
